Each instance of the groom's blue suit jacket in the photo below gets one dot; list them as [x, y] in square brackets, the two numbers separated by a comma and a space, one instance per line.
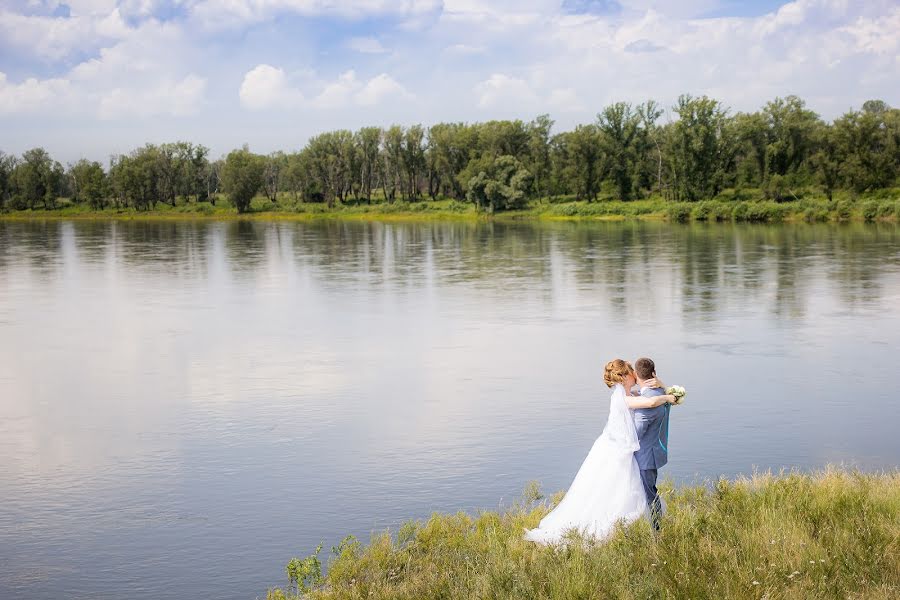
[653, 432]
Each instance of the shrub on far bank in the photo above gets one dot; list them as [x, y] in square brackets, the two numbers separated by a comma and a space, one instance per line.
[711, 210]
[759, 212]
[886, 209]
[814, 214]
[679, 213]
[868, 209]
[842, 210]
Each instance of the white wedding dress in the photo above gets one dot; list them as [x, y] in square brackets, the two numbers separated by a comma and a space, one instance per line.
[607, 488]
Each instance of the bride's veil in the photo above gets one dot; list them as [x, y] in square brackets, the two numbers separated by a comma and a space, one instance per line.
[620, 428]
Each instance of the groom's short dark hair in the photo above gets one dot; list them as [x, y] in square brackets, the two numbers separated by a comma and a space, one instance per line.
[644, 368]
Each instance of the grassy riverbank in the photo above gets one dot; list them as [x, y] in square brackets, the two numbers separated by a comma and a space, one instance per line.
[883, 206]
[833, 534]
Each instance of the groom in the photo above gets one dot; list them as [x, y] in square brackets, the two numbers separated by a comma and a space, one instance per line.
[652, 426]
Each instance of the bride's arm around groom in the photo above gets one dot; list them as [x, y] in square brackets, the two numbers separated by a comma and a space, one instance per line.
[638, 402]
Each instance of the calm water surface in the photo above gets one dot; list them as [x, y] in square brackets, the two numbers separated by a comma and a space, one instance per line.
[185, 406]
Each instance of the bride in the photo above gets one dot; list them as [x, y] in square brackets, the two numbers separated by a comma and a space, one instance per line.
[607, 488]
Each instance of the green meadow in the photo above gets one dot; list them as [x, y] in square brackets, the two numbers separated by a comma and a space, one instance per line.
[831, 534]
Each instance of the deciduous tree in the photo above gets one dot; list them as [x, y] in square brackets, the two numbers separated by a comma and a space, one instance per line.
[242, 177]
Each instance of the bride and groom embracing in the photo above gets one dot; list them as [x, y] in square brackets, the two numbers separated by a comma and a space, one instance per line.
[617, 480]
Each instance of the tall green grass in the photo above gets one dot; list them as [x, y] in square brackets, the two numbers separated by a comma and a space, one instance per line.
[833, 534]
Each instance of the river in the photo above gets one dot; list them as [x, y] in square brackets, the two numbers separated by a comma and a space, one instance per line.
[184, 406]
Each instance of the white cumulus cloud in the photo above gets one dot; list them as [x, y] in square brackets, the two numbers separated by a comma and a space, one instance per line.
[338, 93]
[380, 88]
[177, 98]
[265, 87]
[501, 91]
[32, 95]
[268, 87]
[52, 38]
[141, 75]
[565, 100]
[366, 45]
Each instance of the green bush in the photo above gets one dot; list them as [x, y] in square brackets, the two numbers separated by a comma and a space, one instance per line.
[679, 213]
[759, 212]
[886, 209]
[870, 210]
[815, 214]
[712, 210]
[702, 211]
[644, 208]
[740, 211]
[843, 210]
[884, 194]
[18, 202]
[566, 210]
[722, 212]
[457, 207]
[772, 212]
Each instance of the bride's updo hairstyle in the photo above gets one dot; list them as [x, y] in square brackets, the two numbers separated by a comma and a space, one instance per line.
[616, 371]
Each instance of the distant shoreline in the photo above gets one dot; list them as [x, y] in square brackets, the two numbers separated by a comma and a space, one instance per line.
[881, 208]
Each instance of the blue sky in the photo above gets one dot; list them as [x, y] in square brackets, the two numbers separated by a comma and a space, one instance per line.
[97, 77]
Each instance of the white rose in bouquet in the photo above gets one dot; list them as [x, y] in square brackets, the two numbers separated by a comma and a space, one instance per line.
[677, 391]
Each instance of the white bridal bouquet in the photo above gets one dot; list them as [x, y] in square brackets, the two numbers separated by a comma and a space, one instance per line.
[678, 392]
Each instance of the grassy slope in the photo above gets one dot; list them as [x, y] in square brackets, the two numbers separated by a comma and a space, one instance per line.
[828, 535]
[881, 206]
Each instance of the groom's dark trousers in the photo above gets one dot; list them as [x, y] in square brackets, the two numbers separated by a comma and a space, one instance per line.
[652, 426]
[648, 478]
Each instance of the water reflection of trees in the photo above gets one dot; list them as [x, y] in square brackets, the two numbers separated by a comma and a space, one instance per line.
[34, 246]
[858, 257]
[245, 246]
[713, 265]
[636, 267]
[780, 267]
[410, 254]
[177, 249]
[642, 268]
